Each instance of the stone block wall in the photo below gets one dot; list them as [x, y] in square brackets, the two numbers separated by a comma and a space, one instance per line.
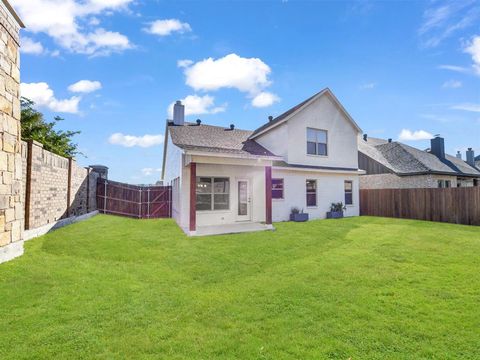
[54, 187]
[11, 208]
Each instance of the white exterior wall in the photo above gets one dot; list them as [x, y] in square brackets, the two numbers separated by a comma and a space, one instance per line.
[290, 139]
[256, 176]
[330, 189]
[174, 170]
[252, 170]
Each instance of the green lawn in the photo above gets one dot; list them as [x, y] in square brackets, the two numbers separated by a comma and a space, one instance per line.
[365, 288]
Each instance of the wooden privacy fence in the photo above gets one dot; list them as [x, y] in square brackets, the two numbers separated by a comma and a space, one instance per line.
[453, 205]
[142, 202]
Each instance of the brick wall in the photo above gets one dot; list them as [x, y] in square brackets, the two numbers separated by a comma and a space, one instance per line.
[392, 181]
[11, 212]
[54, 187]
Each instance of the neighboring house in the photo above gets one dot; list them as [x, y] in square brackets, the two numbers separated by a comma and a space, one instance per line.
[305, 158]
[390, 164]
[477, 162]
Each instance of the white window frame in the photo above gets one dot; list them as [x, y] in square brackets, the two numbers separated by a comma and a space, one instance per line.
[316, 193]
[213, 193]
[317, 141]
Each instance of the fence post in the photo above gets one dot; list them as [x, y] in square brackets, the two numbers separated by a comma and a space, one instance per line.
[28, 184]
[140, 205]
[105, 197]
[88, 190]
[69, 185]
[148, 203]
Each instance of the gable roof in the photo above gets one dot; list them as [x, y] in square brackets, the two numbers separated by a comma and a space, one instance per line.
[216, 139]
[403, 159]
[292, 111]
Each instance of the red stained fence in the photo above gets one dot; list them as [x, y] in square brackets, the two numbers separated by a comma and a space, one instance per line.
[142, 202]
[453, 205]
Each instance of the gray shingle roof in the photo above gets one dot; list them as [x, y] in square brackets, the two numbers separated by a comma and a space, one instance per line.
[407, 160]
[216, 139]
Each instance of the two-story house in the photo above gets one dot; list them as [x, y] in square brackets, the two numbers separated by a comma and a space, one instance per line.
[231, 180]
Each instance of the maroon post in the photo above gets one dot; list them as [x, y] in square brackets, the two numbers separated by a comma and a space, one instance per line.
[268, 195]
[193, 196]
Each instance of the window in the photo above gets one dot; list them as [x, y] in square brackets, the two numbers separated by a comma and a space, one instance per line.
[444, 183]
[348, 192]
[316, 142]
[213, 193]
[277, 188]
[311, 193]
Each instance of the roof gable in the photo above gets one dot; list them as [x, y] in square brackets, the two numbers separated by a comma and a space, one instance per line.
[297, 108]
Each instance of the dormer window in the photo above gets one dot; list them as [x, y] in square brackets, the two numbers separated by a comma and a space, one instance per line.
[316, 142]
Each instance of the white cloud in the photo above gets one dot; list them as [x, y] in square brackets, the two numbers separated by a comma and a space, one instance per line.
[198, 105]
[264, 99]
[167, 27]
[184, 63]
[131, 140]
[85, 86]
[409, 135]
[248, 75]
[459, 69]
[452, 84]
[473, 48]
[150, 171]
[64, 21]
[467, 107]
[368, 86]
[29, 46]
[445, 18]
[43, 96]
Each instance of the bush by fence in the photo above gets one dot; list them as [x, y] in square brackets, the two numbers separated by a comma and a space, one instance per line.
[453, 205]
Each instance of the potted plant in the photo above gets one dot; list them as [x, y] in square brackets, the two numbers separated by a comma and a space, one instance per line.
[297, 215]
[336, 211]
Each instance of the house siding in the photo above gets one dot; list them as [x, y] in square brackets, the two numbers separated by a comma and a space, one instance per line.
[330, 189]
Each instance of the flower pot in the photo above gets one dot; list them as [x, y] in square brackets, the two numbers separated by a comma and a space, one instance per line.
[334, 214]
[299, 217]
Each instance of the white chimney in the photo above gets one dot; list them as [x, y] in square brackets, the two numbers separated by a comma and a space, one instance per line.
[459, 155]
[178, 113]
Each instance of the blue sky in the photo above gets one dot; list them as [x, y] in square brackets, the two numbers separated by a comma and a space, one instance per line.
[111, 68]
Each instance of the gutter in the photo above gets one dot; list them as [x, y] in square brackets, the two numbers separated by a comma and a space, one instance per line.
[329, 171]
[229, 155]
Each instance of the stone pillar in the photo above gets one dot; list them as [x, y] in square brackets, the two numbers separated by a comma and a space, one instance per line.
[11, 208]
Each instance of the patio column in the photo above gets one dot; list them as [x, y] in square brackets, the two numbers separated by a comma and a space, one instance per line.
[268, 195]
[193, 197]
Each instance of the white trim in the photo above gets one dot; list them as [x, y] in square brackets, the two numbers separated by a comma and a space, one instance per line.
[351, 172]
[234, 156]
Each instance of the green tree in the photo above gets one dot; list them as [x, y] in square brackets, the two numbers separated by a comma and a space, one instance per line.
[34, 127]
